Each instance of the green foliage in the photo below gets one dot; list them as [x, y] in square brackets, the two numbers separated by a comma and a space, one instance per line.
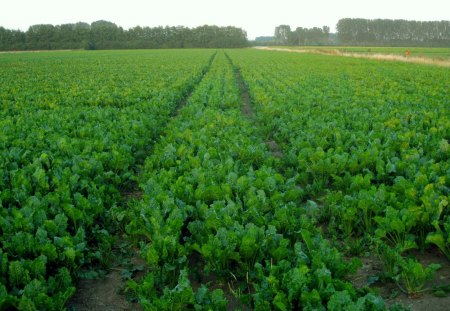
[68, 147]
[342, 301]
[209, 300]
[414, 276]
[395, 227]
[441, 238]
[390, 258]
[215, 209]
[367, 148]
[363, 160]
[101, 34]
[380, 32]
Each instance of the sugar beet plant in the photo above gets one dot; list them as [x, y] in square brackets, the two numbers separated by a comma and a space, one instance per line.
[368, 141]
[219, 220]
[72, 128]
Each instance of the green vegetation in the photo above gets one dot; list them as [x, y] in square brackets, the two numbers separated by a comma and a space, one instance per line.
[302, 36]
[393, 32]
[368, 32]
[212, 190]
[68, 145]
[101, 35]
[368, 141]
[360, 166]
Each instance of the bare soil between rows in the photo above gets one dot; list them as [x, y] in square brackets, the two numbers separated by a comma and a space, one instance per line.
[101, 294]
[390, 292]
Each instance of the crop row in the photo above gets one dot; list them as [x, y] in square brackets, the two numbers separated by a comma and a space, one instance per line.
[223, 222]
[80, 79]
[369, 143]
[62, 166]
[218, 222]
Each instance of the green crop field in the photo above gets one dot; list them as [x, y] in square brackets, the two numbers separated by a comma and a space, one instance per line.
[224, 179]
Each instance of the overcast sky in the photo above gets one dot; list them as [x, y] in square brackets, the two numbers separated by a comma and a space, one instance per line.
[257, 17]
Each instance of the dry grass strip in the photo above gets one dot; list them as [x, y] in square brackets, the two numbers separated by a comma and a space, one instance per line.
[377, 56]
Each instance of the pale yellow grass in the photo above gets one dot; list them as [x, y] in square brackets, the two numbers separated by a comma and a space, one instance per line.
[377, 56]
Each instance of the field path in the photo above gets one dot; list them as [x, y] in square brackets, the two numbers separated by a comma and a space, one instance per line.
[376, 56]
[248, 110]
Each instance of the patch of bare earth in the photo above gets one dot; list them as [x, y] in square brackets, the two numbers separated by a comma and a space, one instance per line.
[247, 108]
[107, 293]
[391, 293]
[274, 148]
[132, 195]
[101, 294]
[248, 111]
[376, 56]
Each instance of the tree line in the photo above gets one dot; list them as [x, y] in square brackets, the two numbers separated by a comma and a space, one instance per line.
[367, 32]
[301, 36]
[107, 35]
[388, 32]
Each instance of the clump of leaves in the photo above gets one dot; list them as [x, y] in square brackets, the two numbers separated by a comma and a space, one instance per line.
[414, 276]
[441, 238]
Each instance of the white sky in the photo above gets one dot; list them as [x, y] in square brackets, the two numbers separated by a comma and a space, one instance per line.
[258, 18]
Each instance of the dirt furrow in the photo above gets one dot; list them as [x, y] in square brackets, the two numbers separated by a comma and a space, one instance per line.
[247, 108]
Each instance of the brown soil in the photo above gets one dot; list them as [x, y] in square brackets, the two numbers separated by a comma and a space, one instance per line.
[101, 294]
[274, 148]
[246, 101]
[426, 301]
[377, 56]
[132, 195]
[248, 111]
[107, 293]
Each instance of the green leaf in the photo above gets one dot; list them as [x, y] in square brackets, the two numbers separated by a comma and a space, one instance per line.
[280, 301]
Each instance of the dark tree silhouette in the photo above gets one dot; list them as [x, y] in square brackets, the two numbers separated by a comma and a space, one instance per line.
[107, 35]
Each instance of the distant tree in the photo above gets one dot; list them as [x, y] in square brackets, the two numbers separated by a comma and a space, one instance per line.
[82, 32]
[107, 35]
[11, 40]
[358, 31]
[309, 36]
[41, 37]
[283, 34]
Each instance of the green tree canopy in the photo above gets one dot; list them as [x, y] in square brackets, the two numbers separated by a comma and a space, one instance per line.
[107, 35]
[389, 32]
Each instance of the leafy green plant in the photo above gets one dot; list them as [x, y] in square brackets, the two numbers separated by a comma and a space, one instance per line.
[210, 300]
[441, 238]
[414, 276]
[390, 258]
[396, 227]
[68, 147]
